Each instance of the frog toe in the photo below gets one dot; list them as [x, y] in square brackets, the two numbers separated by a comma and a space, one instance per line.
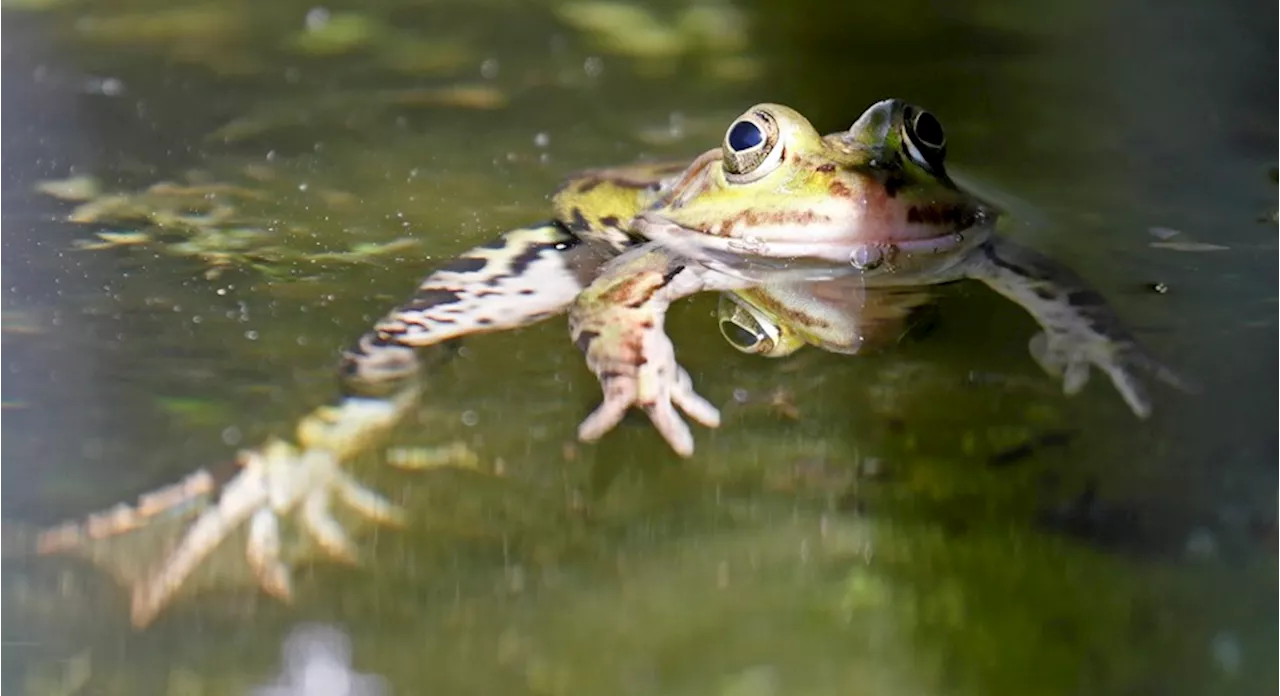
[1131, 390]
[263, 554]
[671, 426]
[619, 394]
[692, 403]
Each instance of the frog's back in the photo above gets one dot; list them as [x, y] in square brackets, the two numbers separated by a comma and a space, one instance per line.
[598, 205]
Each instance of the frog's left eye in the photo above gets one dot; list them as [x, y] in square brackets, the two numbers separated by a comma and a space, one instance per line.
[924, 138]
[749, 147]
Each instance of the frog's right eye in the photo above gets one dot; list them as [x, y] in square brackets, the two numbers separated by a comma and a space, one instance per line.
[750, 149]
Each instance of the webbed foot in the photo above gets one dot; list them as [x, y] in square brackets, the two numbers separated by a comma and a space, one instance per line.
[620, 329]
[276, 481]
[1080, 330]
[636, 365]
[1070, 358]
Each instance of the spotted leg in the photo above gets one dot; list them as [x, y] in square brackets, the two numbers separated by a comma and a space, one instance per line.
[525, 276]
[618, 323]
[1079, 329]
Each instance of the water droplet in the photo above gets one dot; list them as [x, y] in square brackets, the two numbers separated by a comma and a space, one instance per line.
[866, 257]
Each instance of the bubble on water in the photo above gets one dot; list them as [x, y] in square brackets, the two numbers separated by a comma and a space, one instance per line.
[541, 140]
[1201, 543]
[489, 68]
[231, 436]
[1226, 651]
[470, 418]
[106, 86]
[593, 66]
[251, 335]
[317, 18]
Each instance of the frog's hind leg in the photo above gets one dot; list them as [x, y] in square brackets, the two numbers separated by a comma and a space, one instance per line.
[525, 276]
[1079, 329]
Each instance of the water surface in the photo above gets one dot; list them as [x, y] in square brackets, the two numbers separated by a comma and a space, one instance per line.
[869, 525]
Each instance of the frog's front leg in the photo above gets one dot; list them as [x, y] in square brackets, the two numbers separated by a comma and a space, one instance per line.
[618, 323]
[1079, 328]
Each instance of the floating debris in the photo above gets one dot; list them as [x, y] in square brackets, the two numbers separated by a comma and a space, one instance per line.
[1163, 233]
[427, 56]
[367, 252]
[623, 28]
[1189, 246]
[478, 97]
[111, 240]
[456, 455]
[202, 220]
[334, 34]
[75, 188]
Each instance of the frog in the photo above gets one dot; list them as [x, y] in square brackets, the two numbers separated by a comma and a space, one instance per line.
[816, 240]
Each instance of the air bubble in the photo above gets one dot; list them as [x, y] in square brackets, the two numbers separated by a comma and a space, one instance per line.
[865, 258]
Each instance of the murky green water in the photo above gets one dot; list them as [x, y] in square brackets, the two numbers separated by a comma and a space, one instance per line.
[875, 536]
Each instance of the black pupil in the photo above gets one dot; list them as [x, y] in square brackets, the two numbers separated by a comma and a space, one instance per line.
[744, 135]
[928, 130]
[737, 335]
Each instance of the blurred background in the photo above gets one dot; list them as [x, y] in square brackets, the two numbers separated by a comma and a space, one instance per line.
[934, 519]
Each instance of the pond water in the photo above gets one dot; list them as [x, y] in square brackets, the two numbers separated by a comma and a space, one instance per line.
[937, 518]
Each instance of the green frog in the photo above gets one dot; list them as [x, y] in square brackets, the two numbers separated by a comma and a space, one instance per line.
[823, 240]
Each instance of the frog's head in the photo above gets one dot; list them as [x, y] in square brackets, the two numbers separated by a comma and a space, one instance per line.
[873, 195]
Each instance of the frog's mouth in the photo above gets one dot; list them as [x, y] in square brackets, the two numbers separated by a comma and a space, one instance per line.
[803, 261]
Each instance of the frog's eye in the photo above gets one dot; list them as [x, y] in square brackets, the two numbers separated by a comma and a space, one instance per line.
[752, 332]
[749, 147]
[746, 337]
[924, 138]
